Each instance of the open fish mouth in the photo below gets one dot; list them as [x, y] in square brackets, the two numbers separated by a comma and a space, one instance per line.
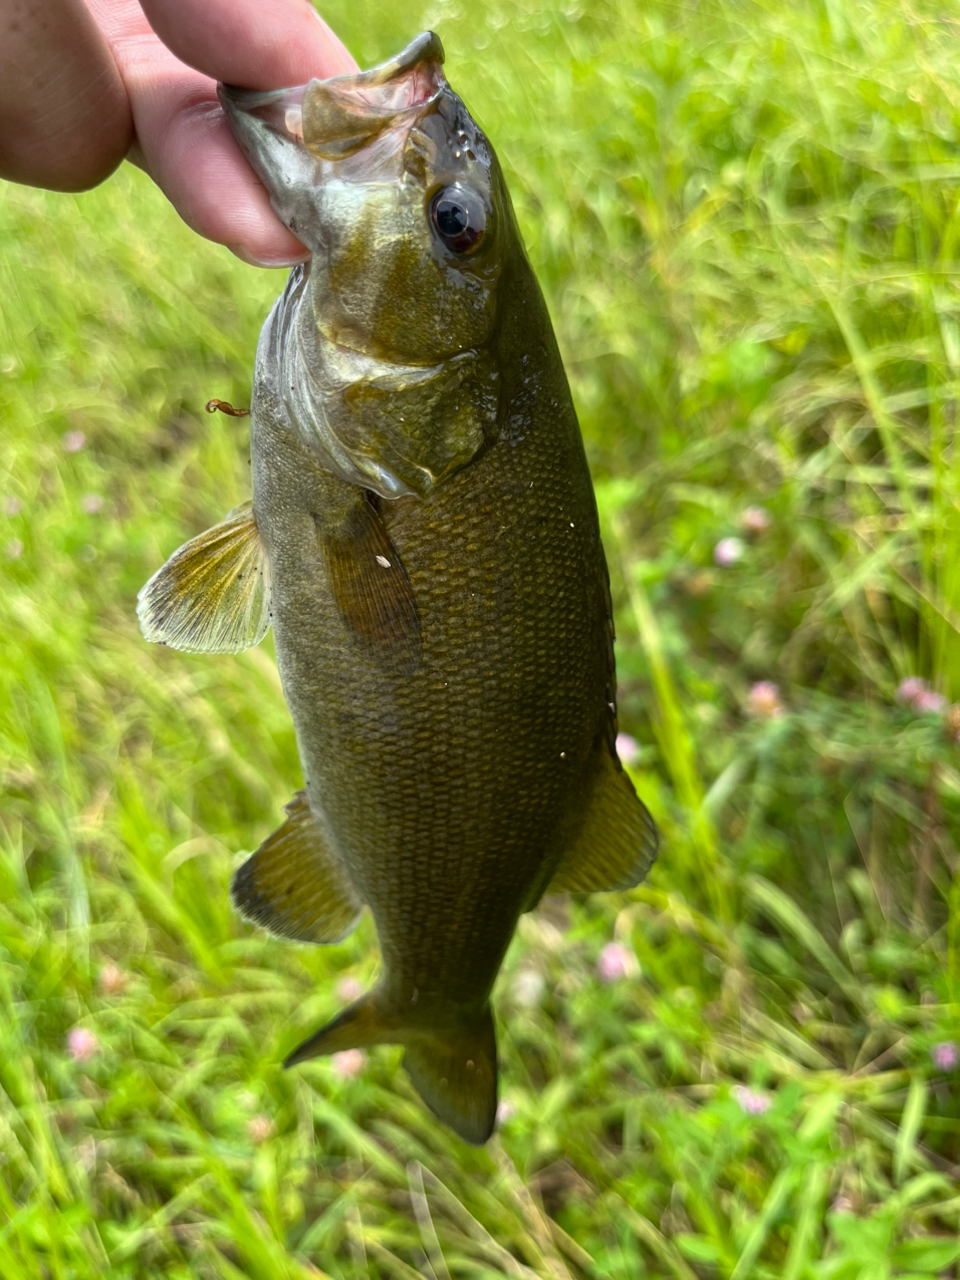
[334, 118]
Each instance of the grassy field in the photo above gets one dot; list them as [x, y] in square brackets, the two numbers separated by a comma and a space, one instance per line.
[745, 217]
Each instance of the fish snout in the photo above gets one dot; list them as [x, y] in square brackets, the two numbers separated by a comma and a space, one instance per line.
[290, 136]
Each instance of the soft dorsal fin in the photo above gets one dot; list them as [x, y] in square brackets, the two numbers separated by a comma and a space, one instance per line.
[615, 843]
[293, 885]
[213, 595]
[371, 587]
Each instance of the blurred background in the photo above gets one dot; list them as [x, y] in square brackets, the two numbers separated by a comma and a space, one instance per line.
[745, 220]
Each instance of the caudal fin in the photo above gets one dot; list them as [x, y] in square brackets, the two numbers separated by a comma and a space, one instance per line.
[455, 1072]
[456, 1076]
[359, 1026]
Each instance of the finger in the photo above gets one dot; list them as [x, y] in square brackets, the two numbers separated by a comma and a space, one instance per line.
[185, 144]
[66, 121]
[249, 43]
[187, 148]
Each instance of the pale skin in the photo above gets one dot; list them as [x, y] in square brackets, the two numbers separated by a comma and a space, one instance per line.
[84, 85]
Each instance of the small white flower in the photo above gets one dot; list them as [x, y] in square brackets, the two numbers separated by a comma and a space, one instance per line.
[82, 1044]
[945, 1056]
[929, 702]
[763, 701]
[111, 980]
[755, 520]
[348, 1063]
[752, 1101]
[728, 551]
[615, 962]
[73, 441]
[260, 1128]
[909, 690]
[527, 988]
[349, 989]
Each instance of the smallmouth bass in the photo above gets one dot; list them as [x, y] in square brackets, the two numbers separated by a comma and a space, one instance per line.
[423, 539]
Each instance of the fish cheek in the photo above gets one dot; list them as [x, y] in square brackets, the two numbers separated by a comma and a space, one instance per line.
[351, 294]
[363, 228]
[432, 308]
[393, 294]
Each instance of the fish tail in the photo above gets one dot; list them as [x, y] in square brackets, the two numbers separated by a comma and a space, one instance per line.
[456, 1076]
[454, 1070]
[360, 1026]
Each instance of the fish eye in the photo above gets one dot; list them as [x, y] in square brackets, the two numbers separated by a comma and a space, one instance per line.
[459, 218]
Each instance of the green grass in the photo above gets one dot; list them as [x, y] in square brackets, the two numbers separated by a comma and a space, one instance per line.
[745, 220]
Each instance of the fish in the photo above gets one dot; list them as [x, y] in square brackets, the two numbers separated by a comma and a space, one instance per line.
[423, 539]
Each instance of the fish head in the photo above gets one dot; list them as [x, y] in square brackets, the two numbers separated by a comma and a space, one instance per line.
[390, 183]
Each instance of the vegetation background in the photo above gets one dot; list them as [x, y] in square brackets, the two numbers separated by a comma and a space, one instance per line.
[745, 219]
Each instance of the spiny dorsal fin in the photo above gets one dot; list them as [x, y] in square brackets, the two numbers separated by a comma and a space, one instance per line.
[213, 595]
[293, 885]
[371, 588]
[615, 843]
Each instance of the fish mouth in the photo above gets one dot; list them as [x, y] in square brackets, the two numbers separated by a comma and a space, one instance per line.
[335, 118]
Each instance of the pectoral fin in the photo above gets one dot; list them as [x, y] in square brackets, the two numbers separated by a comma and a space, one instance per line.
[294, 886]
[615, 843]
[213, 595]
[371, 588]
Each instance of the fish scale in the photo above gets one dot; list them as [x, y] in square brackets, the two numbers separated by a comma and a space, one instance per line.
[429, 557]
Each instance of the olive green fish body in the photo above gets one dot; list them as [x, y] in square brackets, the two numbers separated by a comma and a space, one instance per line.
[447, 787]
[423, 539]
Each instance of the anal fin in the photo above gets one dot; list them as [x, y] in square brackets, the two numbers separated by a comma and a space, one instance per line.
[293, 885]
[614, 843]
[213, 595]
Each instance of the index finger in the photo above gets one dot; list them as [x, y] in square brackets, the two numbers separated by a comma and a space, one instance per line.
[249, 43]
[182, 136]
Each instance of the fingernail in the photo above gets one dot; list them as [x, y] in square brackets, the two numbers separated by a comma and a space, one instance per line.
[284, 260]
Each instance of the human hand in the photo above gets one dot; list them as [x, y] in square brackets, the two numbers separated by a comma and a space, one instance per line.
[82, 86]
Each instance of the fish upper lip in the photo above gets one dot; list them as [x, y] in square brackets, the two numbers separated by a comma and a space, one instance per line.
[399, 87]
[425, 47]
